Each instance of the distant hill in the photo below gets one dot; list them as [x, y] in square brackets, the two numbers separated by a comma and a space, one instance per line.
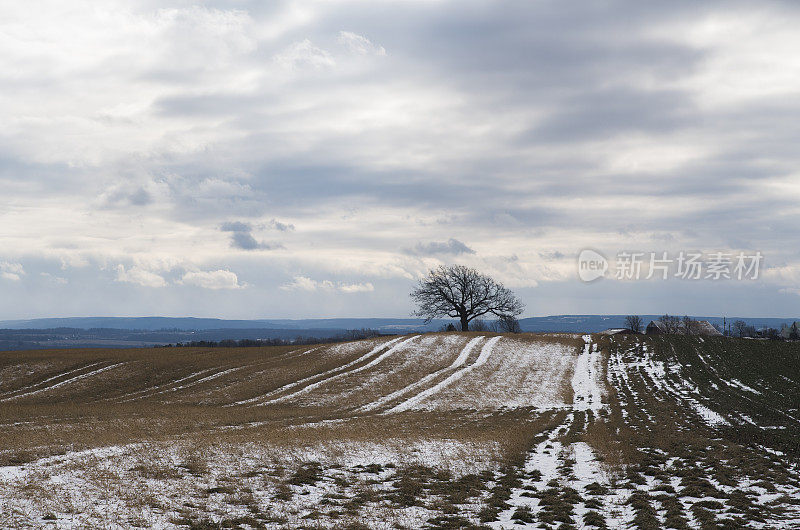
[555, 323]
[196, 324]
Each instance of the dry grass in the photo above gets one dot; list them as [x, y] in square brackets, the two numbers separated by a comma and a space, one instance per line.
[177, 453]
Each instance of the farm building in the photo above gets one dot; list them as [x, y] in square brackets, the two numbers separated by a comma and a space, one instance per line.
[619, 331]
[697, 327]
[786, 331]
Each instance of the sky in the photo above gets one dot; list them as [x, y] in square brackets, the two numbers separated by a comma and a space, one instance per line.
[284, 159]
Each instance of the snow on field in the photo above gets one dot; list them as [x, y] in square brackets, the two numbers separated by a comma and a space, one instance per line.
[347, 370]
[738, 384]
[388, 381]
[512, 373]
[667, 377]
[152, 485]
[227, 473]
[339, 349]
[681, 388]
[53, 378]
[586, 383]
[64, 383]
[545, 460]
[158, 389]
[452, 378]
[416, 386]
[709, 416]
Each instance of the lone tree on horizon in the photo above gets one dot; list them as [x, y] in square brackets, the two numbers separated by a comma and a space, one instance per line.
[634, 323]
[461, 292]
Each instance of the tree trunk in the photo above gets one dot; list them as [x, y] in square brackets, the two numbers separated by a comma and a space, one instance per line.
[464, 323]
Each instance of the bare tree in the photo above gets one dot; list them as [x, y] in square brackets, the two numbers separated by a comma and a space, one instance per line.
[740, 328]
[508, 324]
[672, 324]
[634, 323]
[480, 325]
[688, 325]
[460, 292]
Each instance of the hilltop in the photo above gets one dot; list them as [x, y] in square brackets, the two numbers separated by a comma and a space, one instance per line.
[438, 430]
[546, 324]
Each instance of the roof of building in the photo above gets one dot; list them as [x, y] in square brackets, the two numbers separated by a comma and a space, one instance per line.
[619, 331]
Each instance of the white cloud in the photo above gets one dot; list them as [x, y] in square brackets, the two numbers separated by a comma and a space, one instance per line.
[303, 283]
[11, 271]
[133, 133]
[140, 276]
[54, 279]
[305, 53]
[356, 287]
[300, 283]
[359, 44]
[219, 279]
[215, 188]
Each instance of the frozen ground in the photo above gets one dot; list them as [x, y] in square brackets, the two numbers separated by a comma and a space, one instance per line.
[438, 431]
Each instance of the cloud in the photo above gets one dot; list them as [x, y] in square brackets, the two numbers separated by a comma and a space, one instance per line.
[214, 280]
[551, 255]
[54, 279]
[303, 283]
[127, 194]
[245, 241]
[525, 129]
[305, 54]
[359, 44]
[281, 227]
[452, 247]
[300, 283]
[11, 271]
[235, 226]
[140, 276]
[241, 237]
[356, 287]
[135, 197]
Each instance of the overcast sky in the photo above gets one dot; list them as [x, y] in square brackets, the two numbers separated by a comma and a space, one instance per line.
[312, 159]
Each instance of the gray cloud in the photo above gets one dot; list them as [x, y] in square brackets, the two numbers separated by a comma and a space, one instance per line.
[281, 227]
[382, 129]
[245, 241]
[235, 226]
[241, 237]
[452, 247]
[127, 197]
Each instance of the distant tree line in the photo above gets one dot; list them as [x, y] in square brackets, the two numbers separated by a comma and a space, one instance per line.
[346, 336]
[740, 328]
[504, 324]
[674, 325]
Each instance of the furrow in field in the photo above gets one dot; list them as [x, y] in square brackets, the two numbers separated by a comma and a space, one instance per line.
[459, 362]
[68, 381]
[300, 382]
[224, 388]
[486, 351]
[211, 377]
[585, 382]
[348, 369]
[146, 392]
[544, 465]
[34, 386]
[655, 372]
[295, 384]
